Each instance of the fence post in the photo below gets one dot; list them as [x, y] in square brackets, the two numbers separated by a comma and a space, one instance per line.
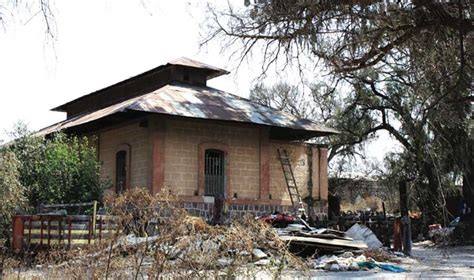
[49, 231]
[100, 229]
[69, 231]
[397, 238]
[94, 217]
[90, 231]
[17, 238]
[41, 230]
[385, 227]
[406, 230]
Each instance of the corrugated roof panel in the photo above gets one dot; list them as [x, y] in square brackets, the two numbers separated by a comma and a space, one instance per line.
[184, 61]
[199, 102]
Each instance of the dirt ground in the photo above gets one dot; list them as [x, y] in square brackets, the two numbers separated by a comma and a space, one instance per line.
[427, 262]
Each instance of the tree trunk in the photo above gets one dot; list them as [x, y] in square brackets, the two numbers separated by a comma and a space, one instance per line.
[465, 231]
[468, 179]
[432, 199]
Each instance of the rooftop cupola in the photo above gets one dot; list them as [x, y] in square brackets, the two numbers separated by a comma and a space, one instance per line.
[194, 72]
[183, 70]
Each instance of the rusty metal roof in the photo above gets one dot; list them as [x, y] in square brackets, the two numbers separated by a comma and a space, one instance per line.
[200, 102]
[213, 71]
[210, 71]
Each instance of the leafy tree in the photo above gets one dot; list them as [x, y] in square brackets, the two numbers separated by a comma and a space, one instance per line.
[11, 192]
[60, 169]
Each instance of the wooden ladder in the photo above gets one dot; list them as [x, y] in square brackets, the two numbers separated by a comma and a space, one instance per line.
[295, 197]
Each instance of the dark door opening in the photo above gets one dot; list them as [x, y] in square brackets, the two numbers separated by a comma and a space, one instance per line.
[120, 171]
[214, 172]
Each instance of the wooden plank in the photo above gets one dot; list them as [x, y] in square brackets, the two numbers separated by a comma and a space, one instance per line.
[29, 230]
[94, 217]
[69, 233]
[83, 218]
[49, 232]
[67, 205]
[58, 234]
[41, 219]
[100, 229]
[323, 235]
[74, 226]
[60, 231]
[90, 231]
[73, 241]
[324, 243]
[17, 232]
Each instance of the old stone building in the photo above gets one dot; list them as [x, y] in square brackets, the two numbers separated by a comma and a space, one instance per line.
[165, 129]
[361, 194]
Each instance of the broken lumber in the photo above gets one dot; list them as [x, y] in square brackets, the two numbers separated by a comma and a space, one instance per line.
[325, 243]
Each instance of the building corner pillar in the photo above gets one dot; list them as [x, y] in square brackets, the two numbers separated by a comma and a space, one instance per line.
[323, 174]
[157, 162]
[264, 189]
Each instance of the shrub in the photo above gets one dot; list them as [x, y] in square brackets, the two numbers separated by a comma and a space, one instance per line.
[11, 192]
[61, 169]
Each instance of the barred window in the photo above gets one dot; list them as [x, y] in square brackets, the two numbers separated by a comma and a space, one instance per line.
[214, 172]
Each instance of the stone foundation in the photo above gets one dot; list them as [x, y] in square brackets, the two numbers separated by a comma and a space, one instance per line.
[231, 212]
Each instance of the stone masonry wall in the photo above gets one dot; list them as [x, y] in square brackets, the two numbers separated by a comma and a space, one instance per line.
[299, 163]
[181, 155]
[182, 138]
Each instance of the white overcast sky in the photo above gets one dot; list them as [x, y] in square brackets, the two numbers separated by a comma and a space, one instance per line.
[101, 42]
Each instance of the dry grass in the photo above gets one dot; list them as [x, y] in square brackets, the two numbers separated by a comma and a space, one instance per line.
[380, 255]
[173, 245]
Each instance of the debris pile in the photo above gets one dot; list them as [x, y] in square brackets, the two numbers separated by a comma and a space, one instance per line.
[348, 261]
[443, 235]
[361, 232]
[183, 246]
[308, 241]
[343, 262]
[356, 249]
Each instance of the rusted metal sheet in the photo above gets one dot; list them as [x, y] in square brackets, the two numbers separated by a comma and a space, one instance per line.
[213, 71]
[200, 102]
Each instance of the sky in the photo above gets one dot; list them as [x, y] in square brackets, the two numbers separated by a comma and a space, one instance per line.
[98, 43]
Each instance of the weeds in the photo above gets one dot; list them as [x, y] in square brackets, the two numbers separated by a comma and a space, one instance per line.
[154, 238]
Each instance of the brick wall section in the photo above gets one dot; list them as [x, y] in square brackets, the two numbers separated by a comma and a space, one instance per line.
[182, 139]
[316, 172]
[181, 156]
[156, 158]
[110, 142]
[265, 154]
[323, 175]
[299, 163]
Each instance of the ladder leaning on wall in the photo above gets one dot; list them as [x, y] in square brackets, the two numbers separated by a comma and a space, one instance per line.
[295, 196]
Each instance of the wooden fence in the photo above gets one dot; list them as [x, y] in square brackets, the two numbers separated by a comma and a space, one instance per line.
[31, 232]
[381, 225]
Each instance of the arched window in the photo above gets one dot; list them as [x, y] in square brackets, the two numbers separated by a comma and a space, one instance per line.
[214, 172]
[121, 171]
